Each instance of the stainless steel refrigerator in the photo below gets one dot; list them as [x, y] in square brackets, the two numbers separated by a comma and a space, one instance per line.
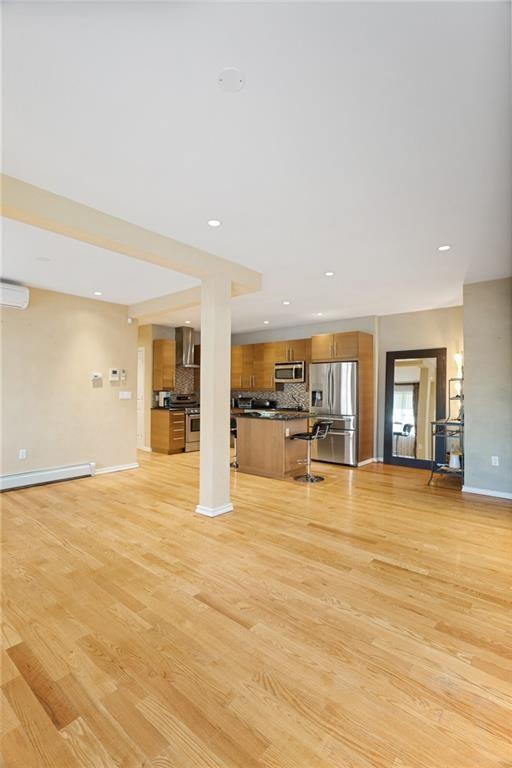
[333, 393]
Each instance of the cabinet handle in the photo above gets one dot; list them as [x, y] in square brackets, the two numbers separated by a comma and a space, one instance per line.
[335, 349]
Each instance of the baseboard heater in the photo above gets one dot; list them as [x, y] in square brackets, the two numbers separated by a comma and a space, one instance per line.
[42, 476]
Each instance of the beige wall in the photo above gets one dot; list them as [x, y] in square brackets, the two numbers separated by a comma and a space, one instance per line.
[488, 384]
[416, 330]
[49, 404]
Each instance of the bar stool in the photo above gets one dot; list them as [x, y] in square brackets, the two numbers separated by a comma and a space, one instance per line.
[233, 433]
[319, 432]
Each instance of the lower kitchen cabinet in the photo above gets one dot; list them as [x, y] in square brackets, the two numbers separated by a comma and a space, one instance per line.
[167, 431]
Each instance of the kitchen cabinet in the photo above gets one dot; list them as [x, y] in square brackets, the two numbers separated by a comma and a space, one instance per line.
[264, 447]
[263, 366]
[248, 366]
[296, 349]
[252, 365]
[335, 346]
[236, 367]
[164, 364]
[167, 431]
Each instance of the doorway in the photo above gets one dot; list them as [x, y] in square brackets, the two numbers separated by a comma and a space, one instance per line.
[140, 398]
[415, 396]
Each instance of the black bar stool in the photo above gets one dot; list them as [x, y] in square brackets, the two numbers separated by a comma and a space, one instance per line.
[319, 432]
[233, 433]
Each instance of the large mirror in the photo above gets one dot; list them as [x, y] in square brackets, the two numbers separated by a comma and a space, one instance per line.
[415, 397]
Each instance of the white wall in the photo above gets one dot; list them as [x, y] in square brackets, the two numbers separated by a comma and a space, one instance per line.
[488, 384]
[50, 407]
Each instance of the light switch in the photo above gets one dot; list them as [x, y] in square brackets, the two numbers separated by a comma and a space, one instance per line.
[123, 395]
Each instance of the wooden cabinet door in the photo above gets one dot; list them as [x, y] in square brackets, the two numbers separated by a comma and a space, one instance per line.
[298, 349]
[278, 350]
[322, 347]
[258, 366]
[346, 346]
[176, 432]
[263, 366]
[164, 364]
[247, 366]
[236, 367]
[160, 431]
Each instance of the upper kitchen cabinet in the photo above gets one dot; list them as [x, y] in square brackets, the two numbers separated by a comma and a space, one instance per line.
[336, 346]
[164, 364]
[242, 367]
[296, 350]
[289, 351]
[263, 366]
[252, 365]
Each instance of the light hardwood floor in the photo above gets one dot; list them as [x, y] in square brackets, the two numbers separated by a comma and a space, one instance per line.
[364, 622]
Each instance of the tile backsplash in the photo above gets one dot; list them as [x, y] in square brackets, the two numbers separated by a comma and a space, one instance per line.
[292, 395]
[184, 380]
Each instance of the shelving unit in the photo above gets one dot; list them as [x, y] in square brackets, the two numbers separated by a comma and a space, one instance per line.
[449, 432]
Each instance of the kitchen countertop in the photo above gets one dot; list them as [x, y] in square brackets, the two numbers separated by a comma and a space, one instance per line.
[273, 415]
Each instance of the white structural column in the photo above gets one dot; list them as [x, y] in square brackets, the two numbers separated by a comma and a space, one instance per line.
[214, 495]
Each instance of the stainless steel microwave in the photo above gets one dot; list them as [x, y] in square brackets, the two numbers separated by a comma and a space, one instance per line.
[290, 372]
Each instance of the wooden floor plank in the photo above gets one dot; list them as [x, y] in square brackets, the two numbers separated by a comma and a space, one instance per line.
[364, 622]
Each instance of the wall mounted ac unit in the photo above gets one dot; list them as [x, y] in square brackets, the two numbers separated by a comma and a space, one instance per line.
[13, 296]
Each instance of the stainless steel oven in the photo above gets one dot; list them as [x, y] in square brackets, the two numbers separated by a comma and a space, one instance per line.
[290, 372]
[192, 429]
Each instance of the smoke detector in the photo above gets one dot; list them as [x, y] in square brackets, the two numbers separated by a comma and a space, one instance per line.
[231, 80]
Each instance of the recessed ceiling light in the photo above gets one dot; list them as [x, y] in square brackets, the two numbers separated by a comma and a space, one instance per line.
[43, 258]
[329, 274]
[187, 322]
[214, 223]
[444, 248]
[286, 303]
[319, 314]
[98, 293]
[266, 322]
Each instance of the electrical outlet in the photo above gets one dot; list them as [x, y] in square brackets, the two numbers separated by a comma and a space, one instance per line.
[22, 453]
[495, 461]
[125, 395]
[287, 432]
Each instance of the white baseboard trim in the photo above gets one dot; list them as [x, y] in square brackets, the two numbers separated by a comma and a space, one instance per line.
[486, 492]
[380, 458]
[117, 468]
[214, 511]
[146, 448]
[43, 476]
[367, 461]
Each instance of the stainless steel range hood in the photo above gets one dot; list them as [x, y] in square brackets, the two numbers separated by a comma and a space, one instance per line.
[185, 347]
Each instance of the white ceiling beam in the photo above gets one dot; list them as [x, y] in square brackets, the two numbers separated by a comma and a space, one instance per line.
[41, 208]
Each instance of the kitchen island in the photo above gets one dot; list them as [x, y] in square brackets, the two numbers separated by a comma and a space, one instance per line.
[264, 446]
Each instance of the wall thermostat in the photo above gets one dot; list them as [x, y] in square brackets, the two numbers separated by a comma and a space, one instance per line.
[96, 376]
[114, 374]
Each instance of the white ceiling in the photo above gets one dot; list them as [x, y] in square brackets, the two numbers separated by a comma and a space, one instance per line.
[46, 260]
[366, 135]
